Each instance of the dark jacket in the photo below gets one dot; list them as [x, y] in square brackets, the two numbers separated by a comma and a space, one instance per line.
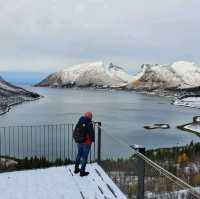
[89, 129]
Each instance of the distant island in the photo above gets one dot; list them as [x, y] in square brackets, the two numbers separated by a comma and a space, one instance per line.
[11, 95]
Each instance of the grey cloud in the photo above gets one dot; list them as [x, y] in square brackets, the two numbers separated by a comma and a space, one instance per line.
[36, 34]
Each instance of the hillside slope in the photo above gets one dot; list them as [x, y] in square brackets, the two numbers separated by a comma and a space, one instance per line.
[11, 95]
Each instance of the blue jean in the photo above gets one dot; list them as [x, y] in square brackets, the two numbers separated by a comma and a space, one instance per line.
[83, 151]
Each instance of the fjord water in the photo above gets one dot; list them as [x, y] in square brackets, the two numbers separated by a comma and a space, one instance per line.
[123, 115]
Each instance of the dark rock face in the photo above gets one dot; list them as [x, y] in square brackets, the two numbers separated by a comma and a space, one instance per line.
[114, 67]
[54, 80]
[50, 80]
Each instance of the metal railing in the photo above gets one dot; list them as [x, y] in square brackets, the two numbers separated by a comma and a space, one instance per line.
[51, 142]
[156, 182]
[46, 145]
[139, 177]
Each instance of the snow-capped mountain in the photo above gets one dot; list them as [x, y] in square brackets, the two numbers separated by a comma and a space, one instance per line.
[95, 74]
[179, 75]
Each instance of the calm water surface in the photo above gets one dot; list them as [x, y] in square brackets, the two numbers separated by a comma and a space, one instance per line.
[123, 115]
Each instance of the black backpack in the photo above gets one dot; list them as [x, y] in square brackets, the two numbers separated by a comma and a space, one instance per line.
[79, 134]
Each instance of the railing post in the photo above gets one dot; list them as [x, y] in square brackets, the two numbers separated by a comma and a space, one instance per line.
[99, 143]
[141, 174]
[140, 171]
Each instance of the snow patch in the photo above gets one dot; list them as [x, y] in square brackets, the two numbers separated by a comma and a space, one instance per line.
[193, 127]
[193, 102]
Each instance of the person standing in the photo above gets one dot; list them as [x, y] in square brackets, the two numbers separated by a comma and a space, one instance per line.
[84, 136]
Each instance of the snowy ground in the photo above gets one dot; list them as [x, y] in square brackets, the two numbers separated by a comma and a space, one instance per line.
[193, 102]
[58, 183]
[182, 194]
[193, 127]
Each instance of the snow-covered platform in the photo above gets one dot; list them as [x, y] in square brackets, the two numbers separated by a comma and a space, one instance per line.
[58, 183]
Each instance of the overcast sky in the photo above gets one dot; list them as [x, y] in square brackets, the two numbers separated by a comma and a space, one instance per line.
[47, 35]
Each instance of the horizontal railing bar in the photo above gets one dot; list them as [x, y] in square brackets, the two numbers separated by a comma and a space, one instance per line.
[26, 126]
[37, 125]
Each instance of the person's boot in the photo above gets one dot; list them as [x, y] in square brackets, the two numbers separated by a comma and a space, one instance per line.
[84, 173]
[76, 170]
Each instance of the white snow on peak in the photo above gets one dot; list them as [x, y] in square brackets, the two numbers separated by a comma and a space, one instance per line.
[181, 74]
[183, 66]
[83, 74]
[188, 71]
[85, 66]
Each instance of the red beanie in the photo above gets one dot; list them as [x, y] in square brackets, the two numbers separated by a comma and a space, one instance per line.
[88, 115]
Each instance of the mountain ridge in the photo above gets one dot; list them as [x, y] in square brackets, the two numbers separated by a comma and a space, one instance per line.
[179, 75]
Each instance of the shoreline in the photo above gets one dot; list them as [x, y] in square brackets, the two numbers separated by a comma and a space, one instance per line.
[182, 127]
[9, 107]
[188, 103]
[173, 95]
